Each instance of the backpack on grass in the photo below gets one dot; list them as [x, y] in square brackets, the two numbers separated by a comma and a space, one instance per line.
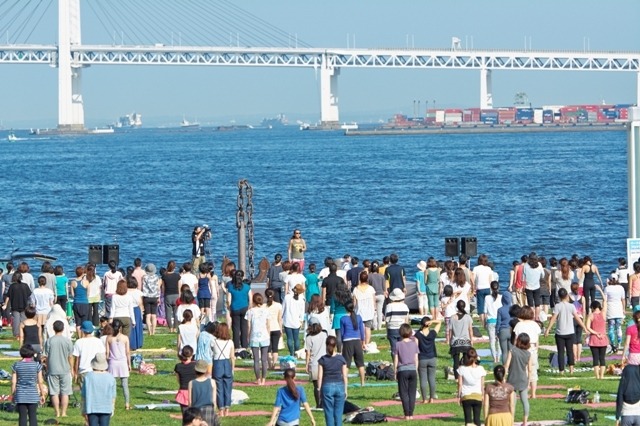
[581, 417]
[366, 417]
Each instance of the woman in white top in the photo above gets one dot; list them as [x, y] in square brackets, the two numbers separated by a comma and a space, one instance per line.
[364, 298]
[483, 276]
[293, 316]
[461, 288]
[532, 274]
[187, 302]
[471, 387]
[615, 303]
[294, 278]
[526, 324]
[318, 310]
[258, 329]
[275, 326]
[44, 299]
[492, 302]
[56, 314]
[122, 308]
[93, 284]
[564, 276]
[224, 362]
[187, 332]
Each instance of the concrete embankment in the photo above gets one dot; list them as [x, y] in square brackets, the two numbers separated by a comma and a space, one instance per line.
[450, 130]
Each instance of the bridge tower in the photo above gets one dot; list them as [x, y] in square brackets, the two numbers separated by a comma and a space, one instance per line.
[486, 92]
[70, 105]
[329, 114]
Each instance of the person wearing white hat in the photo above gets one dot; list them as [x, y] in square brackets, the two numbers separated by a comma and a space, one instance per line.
[99, 392]
[396, 314]
[421, 287]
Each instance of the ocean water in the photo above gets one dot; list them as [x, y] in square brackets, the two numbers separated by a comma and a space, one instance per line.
[553, 193]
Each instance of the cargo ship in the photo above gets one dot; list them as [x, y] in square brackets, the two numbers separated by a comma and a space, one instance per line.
[517, 115]
[279, 120]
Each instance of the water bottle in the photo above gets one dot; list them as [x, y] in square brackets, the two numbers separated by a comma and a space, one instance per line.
[596, 398]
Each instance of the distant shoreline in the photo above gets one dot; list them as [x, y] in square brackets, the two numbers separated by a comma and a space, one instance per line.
[449, 130]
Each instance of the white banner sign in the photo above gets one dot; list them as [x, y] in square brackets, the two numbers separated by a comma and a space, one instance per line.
[633, 251]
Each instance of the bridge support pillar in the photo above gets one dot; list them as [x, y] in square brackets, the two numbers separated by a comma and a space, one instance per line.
[633, 155]
[329, 114]
[486, 93]
[70, 105]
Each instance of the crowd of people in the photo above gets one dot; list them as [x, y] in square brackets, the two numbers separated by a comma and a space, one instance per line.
[337, 308]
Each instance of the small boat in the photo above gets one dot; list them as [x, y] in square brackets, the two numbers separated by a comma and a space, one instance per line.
[349, 126]
[100, 131]
[186, 123]
[12, 137]
[34, 132]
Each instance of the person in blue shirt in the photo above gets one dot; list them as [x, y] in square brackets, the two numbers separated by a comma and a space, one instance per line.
[286, 409]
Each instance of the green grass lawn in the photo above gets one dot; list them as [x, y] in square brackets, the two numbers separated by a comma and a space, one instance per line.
[262, 398]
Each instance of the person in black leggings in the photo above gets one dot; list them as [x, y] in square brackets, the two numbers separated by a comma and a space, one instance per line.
[565, 314]
[589, 271]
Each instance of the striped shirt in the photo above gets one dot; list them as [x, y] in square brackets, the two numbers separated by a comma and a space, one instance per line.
[396, 315]
[27, 386]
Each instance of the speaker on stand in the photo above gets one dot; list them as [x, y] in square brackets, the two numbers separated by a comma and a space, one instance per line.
[111, 252]
[95, 254]
[451, 247]
[470, 246]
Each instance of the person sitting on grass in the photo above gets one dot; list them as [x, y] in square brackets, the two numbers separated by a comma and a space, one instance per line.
[289, 399]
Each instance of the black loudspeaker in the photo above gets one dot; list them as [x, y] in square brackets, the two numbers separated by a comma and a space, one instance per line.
[110, 252]
[95, 254]
[470, 246]
[451, 247]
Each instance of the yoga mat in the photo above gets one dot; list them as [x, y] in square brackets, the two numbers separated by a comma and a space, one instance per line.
[253, 384]
[374, 385]
[550, 396]
[13, 354]
[280, 373]
[164, 392]
[249, 413]
[5, 346]
[601, 404]
[543, 422]
[584, 378]
[421, 417]
[483, 352]
[551, 387]
[156, 406]
[391, 402]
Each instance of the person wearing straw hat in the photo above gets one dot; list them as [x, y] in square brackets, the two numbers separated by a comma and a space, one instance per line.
[99, 392]
[396, 314]
[202, 392]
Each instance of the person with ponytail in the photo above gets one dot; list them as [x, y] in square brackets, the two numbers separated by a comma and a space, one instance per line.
[598, 342]
[275, 326]
[315, 348]
[259, 337]
[631, 353]
[332, 383]
[353, 339]
[461, 335]
[470, 387]
[405, 364]
[119, 357]
[499, 400]
[492, 302]
[293, 317]
[289, 399]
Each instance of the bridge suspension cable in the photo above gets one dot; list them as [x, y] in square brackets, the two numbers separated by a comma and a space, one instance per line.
[194, 23]
[20, 19]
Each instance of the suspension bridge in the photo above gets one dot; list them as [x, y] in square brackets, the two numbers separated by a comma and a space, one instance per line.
[261, 45]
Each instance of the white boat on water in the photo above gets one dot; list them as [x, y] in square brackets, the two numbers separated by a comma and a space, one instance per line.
[101, 131]
[186, 123]
[349, 126]
[12, 137]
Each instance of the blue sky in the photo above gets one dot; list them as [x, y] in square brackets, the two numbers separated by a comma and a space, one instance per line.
[217, 95]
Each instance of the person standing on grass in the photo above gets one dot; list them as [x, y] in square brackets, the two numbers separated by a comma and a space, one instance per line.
[631, 353]
[433, 286]
[151, 295]
[315, 345]
[293, 317]
[499, 400]
[405, 365]
[239, 298]
[615, 313]
[18, 297]
[289, 400]
[224, 363]
[122, 308]
[204, 351]
[205, 290]
[503, 328]
[461, 335]
[58, 357]
[470, 387]
[519, 366]
[99, 392]
[136, 335]
[527, 325]
[364, 297]
[421, 289]
[27, 386]
[119, 358]
[492, 302]
[396, 314]
[564, 313]
[628, 396]
[275, 326]
[185, 372]
[428, 357]
[30, 331]
[352, 333]
[259, 337]
[332, 383]
[44, 300]
[202, 392]
[188, 332]
[597, 327]
[85, 350]
[376, 280]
